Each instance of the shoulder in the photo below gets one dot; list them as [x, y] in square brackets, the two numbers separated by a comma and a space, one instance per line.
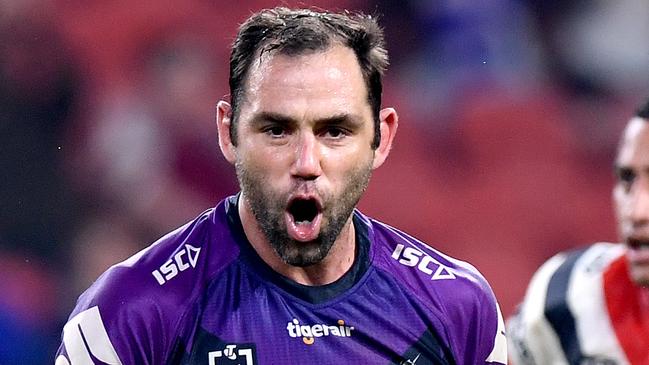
[164, 267]
[550, 316]
[453, 289]
[139, 304]
[426, 272]
[575, 270]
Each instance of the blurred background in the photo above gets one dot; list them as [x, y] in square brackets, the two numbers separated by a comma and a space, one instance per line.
[510, 112]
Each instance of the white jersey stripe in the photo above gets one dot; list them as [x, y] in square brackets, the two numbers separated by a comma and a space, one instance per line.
[593, 326]
[532, 338]
[85, 336]
[534, 325]
[61, 360]
[499, 352]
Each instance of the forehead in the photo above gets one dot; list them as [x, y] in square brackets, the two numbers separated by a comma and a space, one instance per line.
[634, 147]
[328, 81]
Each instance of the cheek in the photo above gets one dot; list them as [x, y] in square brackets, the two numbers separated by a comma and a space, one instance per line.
[344, 165]
[622, 203]
[354, 154]
[258, 158]
[618, 201]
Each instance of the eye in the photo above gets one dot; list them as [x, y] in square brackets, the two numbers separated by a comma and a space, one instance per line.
[275, 131]
[625, 175]
[335, 132]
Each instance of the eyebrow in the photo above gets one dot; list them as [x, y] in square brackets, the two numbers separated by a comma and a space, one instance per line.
[336, 119]
[617, 167]
[278, 118]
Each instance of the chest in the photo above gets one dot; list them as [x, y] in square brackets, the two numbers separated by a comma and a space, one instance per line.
[247, 321]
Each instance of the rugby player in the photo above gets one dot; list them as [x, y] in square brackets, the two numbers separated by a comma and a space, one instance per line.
[591, 305]
[288, 271]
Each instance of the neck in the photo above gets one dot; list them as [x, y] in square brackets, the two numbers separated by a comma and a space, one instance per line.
[337, 262]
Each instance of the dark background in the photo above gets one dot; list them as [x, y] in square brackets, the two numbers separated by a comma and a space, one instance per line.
[510, 115]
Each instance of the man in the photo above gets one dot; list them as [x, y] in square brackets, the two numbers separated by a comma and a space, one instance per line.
[287, 271]
[591, 306]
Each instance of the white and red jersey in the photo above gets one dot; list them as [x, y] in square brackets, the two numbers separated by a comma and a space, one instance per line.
[581, 307]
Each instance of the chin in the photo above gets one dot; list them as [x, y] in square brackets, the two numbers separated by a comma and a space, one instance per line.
[640, 276]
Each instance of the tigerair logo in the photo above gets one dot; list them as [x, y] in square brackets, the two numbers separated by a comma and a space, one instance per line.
[181, 261]
[310, 332]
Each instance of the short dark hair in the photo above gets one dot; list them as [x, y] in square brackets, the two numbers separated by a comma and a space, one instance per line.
[294, 32]
[643, 111]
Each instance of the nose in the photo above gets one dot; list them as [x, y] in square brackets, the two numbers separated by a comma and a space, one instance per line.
[640, 203]
[307, 157]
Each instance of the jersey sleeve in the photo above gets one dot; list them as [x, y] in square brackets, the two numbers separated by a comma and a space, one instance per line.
[472, 317]
[116, 323]
[139, 311]
[478, 335]
[532, 341]
[459, 302]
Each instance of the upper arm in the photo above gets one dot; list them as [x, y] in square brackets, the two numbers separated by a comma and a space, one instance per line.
[532, 341]
[117, 325]
[486, 342]
[86, 338]
[475, 325]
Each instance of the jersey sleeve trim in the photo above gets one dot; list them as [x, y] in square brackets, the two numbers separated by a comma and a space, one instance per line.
[86, 339]
[554, 324]
[557, 311]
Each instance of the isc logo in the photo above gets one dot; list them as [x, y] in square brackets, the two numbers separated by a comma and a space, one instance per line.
[181, 261]
[411, 256]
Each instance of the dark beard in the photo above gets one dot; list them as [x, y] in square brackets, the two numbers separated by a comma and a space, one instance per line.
[268, 207]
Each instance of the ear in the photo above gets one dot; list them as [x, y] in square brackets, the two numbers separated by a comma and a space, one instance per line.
[223, 121]
[388, 123]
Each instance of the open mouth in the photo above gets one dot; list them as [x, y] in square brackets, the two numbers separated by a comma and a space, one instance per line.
[304, 218]
[304, 211]
[637, 243]
[638, 252]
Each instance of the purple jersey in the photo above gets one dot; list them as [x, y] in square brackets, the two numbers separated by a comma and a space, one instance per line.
[201, 295]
